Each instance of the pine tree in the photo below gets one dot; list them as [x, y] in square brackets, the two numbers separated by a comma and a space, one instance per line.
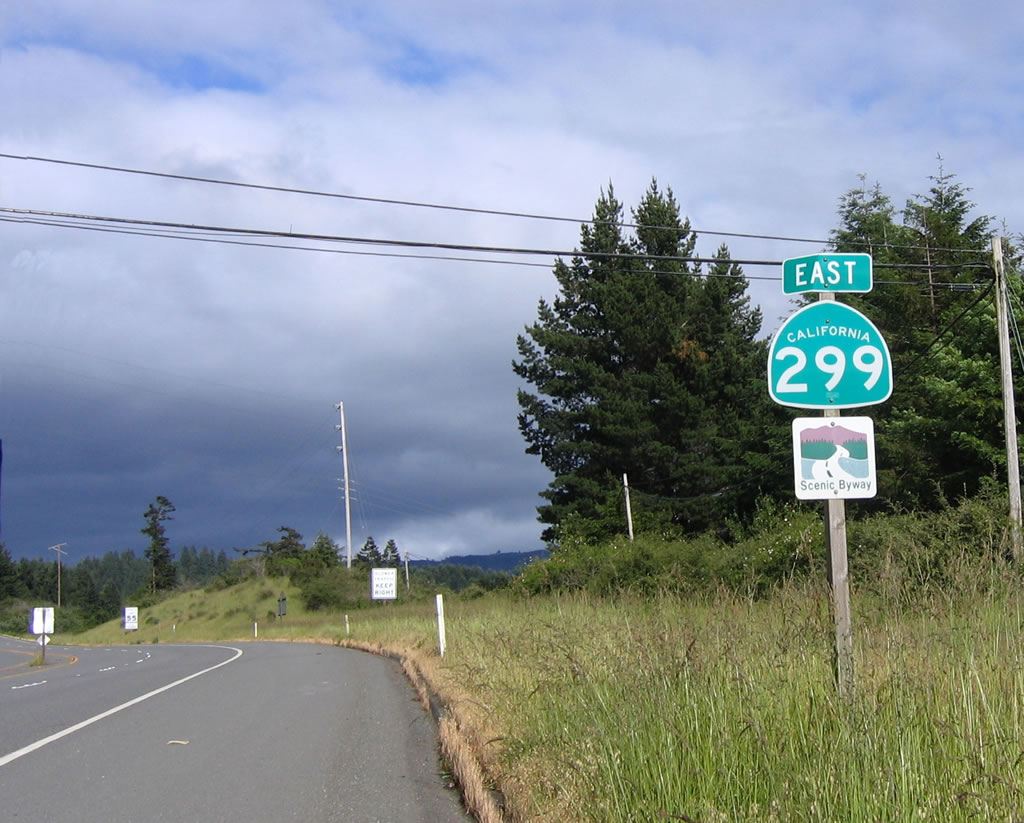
[284, 555]
[109, 602]
[646, 366]
[941, 433]
[9, 584]
[188, 563]
[369, 555]
[391, 556]
[323, 554]
[162, 573]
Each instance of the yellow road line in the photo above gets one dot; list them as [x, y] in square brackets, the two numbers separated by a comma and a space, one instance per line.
[68, 660]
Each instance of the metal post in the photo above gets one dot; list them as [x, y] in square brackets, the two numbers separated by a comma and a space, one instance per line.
[1009, 413]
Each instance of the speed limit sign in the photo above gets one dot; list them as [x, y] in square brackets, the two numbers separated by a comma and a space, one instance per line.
[828, 355]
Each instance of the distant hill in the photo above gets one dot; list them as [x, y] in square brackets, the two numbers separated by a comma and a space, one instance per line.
[497, 562]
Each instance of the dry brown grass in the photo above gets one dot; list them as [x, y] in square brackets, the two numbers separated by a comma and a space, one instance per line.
[461, 727]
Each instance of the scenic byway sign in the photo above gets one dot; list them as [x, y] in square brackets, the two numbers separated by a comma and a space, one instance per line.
[834, 458]
[828, 355]
[827, 272]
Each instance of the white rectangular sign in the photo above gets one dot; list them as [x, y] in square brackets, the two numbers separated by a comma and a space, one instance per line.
[834, 458]
[131, 618]
[383, 584]
[42, 620]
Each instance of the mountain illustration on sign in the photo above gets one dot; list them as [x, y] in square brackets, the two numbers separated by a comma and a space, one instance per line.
[833, 452]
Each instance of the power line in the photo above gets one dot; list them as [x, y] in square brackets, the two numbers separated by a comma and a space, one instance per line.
[949, 328]
[214, 234]
[448, 207]
[356, 240]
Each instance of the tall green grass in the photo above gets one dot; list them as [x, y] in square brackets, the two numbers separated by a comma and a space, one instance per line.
[724, 709]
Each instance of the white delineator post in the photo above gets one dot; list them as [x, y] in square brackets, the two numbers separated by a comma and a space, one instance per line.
[441, 641]
[629, 509]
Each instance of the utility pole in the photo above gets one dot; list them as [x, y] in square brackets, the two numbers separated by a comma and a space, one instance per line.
[343, 448]
[59, 548]
[1009, 413]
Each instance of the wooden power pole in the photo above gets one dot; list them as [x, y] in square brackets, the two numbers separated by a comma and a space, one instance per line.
[1009, 413]
[59, 548]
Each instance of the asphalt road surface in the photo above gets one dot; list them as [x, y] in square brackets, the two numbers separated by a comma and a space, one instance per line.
[245, 732]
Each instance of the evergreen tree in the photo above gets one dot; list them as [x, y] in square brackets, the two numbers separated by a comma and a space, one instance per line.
[282, 556]
[82, 594]
[38, 579]
[162, 573]
[206, 565]
[369, 555]
[10, 585]
[109, 602]
[942, 431]
[391, 556]
[646, 366]
[323, 554]
[223, 565]
[188, 562]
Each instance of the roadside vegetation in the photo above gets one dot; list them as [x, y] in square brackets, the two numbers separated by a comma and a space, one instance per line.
[634, 694]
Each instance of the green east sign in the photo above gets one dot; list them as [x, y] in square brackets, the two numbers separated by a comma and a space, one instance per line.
[827, 272]
[828, 355]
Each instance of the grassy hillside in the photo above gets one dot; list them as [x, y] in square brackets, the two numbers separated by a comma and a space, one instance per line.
[204, 615]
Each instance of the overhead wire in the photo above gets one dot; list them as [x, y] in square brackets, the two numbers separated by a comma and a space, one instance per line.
[1015, 302]
[449, 207]
[214, 234]
[949, 327]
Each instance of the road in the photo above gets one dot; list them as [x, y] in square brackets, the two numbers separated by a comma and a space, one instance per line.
[233, 732]
[826, 469]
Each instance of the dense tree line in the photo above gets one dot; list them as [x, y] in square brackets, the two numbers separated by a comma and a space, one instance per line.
[98, 587]
[648, 363]
[94, 590]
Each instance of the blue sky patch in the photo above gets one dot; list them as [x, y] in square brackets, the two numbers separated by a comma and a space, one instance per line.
[415, 65]
[198, 73]
[184, 71]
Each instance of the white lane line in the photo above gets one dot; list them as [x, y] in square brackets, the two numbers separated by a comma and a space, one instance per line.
[28, 685]
[31, 747]
[108, 669]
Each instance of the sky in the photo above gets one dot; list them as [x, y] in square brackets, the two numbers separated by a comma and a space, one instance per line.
[133, 366]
